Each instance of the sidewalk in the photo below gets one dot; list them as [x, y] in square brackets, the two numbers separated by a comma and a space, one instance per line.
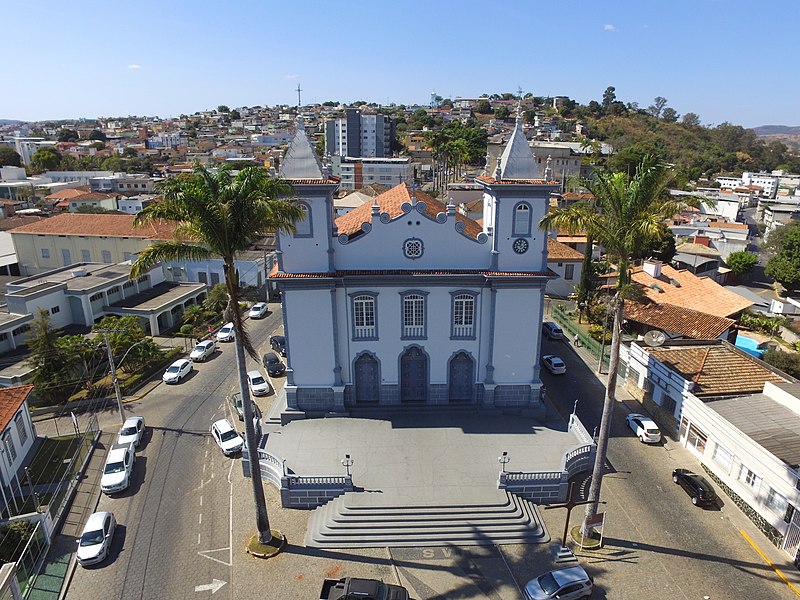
[56, 572]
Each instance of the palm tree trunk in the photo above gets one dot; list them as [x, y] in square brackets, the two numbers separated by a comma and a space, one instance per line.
[605, 421]
[262, 518]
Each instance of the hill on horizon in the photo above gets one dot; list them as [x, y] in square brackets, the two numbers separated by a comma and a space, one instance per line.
[776, 130]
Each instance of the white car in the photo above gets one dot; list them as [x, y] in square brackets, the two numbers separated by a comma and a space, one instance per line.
[229, 441]
[119, 466]
[258, 310]
[227, 333]
[554, 364]
[259, 386]
[567, 584]
[203, 350]
[95, 541]
[132, 431]
[644, 428]
[177, 371]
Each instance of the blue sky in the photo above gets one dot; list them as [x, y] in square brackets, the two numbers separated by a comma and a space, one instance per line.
[726, 60]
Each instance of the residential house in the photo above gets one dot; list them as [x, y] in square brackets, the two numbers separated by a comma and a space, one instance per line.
[17, 437]
[342, 206]
[698, 257]
[565, 262]
[723, 236]
[739, 416]
[677, 322]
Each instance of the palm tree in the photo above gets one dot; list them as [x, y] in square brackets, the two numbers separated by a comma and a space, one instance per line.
[218, 215]
[628, 212]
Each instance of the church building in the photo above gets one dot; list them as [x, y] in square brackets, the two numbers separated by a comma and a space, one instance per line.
[405, 302]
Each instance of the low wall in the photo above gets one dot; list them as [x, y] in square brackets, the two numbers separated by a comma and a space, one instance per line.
[298, 491]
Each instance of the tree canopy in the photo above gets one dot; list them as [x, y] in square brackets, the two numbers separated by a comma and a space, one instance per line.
[45, 158]
[741, 262]
[9, 157]
[784, 266]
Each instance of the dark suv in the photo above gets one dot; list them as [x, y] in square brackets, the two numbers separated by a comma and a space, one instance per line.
[696, 486]
[273, 364]
[278, 343]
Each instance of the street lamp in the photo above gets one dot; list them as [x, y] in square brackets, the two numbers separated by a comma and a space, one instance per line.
[114, 380]
[581, 306]
[347, 462]
[503, 460]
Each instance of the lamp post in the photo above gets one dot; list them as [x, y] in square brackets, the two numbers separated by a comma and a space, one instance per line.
[503, 460]
[581, 306]
[347, 462]
[114, 380]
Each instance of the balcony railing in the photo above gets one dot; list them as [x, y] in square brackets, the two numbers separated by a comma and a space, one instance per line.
[413, 331]
[364, 332]
[463, 331]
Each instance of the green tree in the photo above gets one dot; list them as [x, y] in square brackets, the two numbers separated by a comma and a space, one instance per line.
[787, 362]
[217, 299]
[222, 108]
[45, 158]
[741, 262]
[483, 107]
[661, 247]
[83, 352]
[67, 135]
[609, 97]
[52, 373]
[127, 338]
[9, 157]
[220, 215]
[13, 538]
[235, 115]
[784, 266]
[628, 214]
[657, 106]
[670, 115]
[96, 134]
[502, 113]
[691, 119]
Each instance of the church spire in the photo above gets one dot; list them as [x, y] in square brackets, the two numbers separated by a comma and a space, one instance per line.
[300, 161]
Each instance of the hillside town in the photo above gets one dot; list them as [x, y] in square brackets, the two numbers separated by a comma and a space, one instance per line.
[418, 357]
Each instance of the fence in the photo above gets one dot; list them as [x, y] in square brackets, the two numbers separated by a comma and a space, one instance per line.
[572, 329]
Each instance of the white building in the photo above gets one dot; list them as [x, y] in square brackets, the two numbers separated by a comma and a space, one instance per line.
[18, 435]
[423, 305]
[359, 135]
[26, 147]
[356, 173]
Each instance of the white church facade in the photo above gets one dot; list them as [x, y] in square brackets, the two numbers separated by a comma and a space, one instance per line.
[405, 302]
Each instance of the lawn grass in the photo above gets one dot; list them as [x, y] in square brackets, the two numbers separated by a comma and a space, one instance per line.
[53, 458]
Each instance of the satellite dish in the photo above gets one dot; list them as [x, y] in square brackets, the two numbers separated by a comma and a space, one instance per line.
[654, 338]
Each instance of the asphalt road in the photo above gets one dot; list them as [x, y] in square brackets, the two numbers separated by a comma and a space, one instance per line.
[659, 545]
[174, 531]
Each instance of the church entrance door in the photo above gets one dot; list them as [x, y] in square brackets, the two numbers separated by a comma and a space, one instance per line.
[367, 376]
[413, 376]
[461, 378]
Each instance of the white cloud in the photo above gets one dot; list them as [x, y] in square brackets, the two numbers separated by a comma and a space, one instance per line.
[293, 76]
[609, 27]
[134, 66]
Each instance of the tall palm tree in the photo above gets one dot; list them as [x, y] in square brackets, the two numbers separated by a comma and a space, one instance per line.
[628, 212]
[218, 215]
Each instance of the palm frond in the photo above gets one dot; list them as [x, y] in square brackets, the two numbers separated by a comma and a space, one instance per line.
[166, 251]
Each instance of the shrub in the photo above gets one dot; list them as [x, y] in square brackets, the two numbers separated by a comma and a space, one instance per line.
[187, 329]
[596, 331]
[13, 538]
[787, 362]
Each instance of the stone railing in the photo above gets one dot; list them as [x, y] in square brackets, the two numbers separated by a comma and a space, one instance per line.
[298, 491]
[576, 427]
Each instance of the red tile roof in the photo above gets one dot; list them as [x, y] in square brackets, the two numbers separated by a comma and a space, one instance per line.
[684, 321]
[716, 369]
[391, 202]
[698, 293]
[556, 251]
[66, 194]
[10, 400]
[98, 225]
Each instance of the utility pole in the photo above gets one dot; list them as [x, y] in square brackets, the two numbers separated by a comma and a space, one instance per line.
[114, 381]
[298, 96]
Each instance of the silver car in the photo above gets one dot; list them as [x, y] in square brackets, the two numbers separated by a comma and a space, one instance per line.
[566, 584]
[95, 541]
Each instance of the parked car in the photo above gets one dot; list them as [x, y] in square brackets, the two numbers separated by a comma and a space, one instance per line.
[554, 364]
[273, 364]
[259, 386]
[552, 330]
[278, 343]
[227, 333]
[565, 584]
[117, 471]
[132, 431]
[696, 486]
[363, 589]
[229, 441]
[236, 404]
[258, 310]
[95, 541]
[177, 371]
[644, 428]
[203, 350]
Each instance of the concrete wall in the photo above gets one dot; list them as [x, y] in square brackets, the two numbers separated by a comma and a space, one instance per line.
[29, 250]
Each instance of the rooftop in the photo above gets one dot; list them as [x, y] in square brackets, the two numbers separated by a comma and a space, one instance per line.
[159, 296]
[556, 251]
[676, 319]
[97, 275]
[10, 400]
[97, 225]
[716, 368]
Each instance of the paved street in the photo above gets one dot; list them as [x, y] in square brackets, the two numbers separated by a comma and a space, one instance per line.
[188, 502]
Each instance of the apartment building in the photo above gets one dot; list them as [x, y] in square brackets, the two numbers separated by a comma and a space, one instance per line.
[356, 173]
[359, 135]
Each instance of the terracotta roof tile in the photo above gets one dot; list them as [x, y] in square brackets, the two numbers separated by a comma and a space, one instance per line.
[66, 194]
[556, 251]
[698, 293]
[684, 321]
[391, 202]
[98, 225]
[716, 369]
[10, 400]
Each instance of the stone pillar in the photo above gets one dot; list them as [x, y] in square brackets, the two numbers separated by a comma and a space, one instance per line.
[488, 395]
[338, 398]
[154, 330]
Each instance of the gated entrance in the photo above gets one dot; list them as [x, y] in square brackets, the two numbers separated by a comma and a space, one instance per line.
[413, 376]
[461, 378]
[367, 376]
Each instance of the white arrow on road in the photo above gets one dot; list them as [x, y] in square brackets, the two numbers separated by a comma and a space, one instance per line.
[214, 586]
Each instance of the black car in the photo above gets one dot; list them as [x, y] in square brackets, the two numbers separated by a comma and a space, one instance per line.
[278, 343]
[273, 364]
[696, 486]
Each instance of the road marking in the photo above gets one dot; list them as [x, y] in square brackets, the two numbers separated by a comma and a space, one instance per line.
[201, 500]
[200, 519]
[205, 553]
[230, 520]
[198, 538]
[769, 562]
[213, 587]
[204, 468]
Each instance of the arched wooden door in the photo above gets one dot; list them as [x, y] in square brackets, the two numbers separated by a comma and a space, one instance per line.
[413, 376]
[367, 376]
[461, 378]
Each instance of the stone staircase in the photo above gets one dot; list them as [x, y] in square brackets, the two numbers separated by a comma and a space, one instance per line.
[369, 519]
